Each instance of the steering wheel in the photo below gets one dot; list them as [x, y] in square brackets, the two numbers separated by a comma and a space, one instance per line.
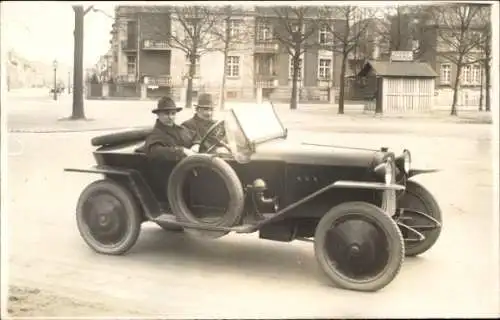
[216, 141]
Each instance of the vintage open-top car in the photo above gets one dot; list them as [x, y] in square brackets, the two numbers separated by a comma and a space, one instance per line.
[359, 206]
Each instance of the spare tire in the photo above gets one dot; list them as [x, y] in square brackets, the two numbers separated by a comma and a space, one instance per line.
[121, 137]
[178, 178]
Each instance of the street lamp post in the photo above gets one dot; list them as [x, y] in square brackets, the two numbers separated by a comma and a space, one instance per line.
[69, 82]
[54, 64]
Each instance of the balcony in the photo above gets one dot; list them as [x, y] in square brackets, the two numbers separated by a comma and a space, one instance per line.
[156, 45]
[129, 46]
[266, 80]
[160, 81]
[266, 46]
[126, 78]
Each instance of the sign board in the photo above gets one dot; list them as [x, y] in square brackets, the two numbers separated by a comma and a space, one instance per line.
[402, 56]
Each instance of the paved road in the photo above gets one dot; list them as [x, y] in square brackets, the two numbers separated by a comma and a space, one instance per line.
[241, 276]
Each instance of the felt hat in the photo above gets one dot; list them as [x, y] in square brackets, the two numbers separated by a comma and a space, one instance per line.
[205, 101]
[166, 104]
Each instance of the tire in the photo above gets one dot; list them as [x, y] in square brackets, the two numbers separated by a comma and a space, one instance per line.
[230, 178]
[385, 269]
[126, 238]
[121, 137]
[419, 198]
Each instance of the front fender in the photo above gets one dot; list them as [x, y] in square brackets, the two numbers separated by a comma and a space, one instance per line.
[414, 172]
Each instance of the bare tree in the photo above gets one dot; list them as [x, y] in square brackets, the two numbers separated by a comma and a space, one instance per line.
[458, 32]
[294, 27]
[402, 29]
[345, 39]
[229, 32]
[193, 37]
[485, 47]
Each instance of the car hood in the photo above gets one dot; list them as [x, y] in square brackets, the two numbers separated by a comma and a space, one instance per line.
[319, 154]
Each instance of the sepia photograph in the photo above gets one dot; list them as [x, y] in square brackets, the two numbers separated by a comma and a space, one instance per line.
[250, 159]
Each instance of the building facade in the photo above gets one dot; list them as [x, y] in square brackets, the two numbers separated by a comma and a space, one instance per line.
[142, 51]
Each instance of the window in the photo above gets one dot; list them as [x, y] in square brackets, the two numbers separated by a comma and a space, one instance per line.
[475, 37]
[264, 31]
[235, 28]
[300, 68]
[233, 66]
[445, 73]
[325, 36]
[131, 27]
[476, 74]
[196, 70]
[296, 27]
[131, 60]
[324, 69]
[466, 74]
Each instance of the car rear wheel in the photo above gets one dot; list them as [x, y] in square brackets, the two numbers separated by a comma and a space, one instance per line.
[358, 246]
[417, 199]
[108, 217]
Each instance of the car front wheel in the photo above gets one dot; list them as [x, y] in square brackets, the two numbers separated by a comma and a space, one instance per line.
[359, 247]
[108, 217]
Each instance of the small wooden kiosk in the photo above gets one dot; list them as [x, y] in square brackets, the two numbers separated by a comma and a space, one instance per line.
[401, 85]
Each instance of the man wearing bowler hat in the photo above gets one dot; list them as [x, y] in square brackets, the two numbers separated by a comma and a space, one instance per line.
[168, 140]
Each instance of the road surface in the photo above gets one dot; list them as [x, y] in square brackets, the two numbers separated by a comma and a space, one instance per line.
[237, 276]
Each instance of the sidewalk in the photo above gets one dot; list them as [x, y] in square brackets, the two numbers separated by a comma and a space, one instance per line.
[31, 113]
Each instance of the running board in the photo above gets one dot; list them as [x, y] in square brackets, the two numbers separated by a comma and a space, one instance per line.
[172, 219]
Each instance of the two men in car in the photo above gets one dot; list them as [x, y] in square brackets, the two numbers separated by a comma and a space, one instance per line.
[172, 141]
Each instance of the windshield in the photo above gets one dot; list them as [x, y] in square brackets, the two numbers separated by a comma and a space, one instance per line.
[259, 122]
[252, 124]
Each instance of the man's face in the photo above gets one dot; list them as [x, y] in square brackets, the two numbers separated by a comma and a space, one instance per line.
[205, 113]
[167, 117]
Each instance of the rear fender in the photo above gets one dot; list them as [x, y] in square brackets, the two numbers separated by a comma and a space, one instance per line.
[414, 172]
[136, 184]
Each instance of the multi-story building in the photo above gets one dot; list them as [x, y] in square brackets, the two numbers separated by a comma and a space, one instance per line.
[439, 42]
[427, 38]
[143, 50]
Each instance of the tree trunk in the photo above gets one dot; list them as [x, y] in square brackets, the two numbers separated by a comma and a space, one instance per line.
[77, 110]
[342, 83]
[455, 89]
[481, 87]
[223, 83]
[191, 74]
[227, 38]
[295, 76]
[487, 70]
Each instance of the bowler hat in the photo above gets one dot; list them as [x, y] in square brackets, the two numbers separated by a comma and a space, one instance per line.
[166, 104]
[205, 101]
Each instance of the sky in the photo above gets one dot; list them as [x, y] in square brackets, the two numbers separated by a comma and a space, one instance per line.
[43, 31]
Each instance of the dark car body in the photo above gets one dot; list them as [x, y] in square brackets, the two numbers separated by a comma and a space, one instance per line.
[288, 186]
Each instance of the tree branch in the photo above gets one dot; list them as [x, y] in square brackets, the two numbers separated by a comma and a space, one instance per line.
[87, 10]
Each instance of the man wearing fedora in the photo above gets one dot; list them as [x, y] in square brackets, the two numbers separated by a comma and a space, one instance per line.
[168, 140]
[202, 119]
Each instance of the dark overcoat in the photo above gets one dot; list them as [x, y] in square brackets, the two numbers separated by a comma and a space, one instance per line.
[198, 126]
[168, 142]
